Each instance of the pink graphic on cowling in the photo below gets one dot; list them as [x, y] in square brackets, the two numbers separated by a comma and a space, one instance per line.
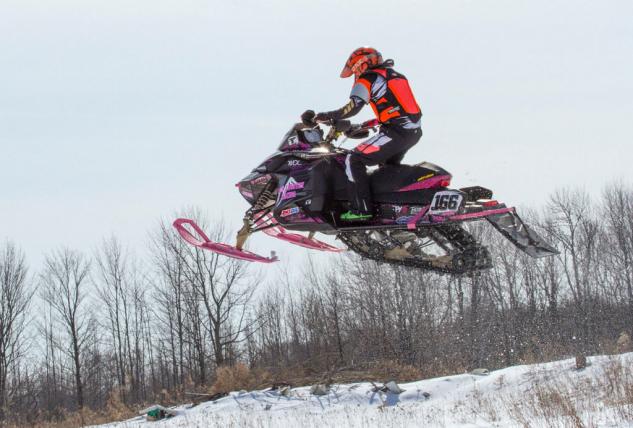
[288, 190]
[279, 232]
[288, 195]
[294, 185]
[203, 241]
[429, 183]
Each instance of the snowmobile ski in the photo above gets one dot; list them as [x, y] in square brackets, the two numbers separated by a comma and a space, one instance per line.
[205, 243]
[277, 231]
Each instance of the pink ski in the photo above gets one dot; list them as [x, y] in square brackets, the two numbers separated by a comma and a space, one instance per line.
[279, 232]
[203, 241]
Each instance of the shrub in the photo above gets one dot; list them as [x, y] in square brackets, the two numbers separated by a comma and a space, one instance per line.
[238, 377]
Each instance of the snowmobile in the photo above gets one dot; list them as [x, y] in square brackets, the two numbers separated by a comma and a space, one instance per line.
[418, 219]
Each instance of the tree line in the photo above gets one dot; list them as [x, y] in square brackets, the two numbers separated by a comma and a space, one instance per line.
[86, 329]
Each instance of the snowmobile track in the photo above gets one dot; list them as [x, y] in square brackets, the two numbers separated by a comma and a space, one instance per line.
[467, 257]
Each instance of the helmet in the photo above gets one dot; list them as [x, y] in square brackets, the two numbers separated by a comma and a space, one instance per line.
[360, 60]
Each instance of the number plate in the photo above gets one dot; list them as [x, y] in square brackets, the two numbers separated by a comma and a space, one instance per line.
[447, 201]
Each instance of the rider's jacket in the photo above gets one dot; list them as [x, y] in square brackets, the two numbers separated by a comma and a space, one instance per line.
[390, 96]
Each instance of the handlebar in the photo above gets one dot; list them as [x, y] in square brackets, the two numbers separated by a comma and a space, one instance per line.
[345, 127]
[337, 128]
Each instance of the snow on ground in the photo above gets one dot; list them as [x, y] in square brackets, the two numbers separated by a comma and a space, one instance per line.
[541, 395]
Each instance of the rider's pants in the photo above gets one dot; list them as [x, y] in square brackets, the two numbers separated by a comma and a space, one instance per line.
[387, 147]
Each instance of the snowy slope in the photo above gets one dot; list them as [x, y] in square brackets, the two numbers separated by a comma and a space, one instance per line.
[551, 394]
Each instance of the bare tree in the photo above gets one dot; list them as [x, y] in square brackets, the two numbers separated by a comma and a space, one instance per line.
[578, 232]
[224, 289]
[171, 296]
[617, 201]
[65, 288]
[122, 298]
[15, 298]
[203, 296]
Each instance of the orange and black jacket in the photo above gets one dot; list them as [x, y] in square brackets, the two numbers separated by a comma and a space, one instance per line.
[390, 96]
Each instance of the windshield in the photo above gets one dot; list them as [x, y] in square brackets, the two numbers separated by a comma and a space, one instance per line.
[300, 139]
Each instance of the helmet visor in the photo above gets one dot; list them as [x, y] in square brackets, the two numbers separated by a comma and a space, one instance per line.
[346, 72]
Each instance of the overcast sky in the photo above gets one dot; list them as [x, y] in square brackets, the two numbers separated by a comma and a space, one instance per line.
[115, 114]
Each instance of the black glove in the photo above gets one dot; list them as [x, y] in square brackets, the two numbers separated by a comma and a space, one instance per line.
[372, 123]
[323, 118]
[307, 118]
[357, 131]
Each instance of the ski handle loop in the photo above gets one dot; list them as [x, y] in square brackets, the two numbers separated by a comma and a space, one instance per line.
[186, 235]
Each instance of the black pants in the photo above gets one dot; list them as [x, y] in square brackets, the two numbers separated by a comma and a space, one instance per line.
[388, 146]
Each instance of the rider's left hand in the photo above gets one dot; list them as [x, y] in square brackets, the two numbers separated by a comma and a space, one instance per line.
[307, 118]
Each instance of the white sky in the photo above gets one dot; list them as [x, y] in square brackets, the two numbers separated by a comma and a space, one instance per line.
[114, 114]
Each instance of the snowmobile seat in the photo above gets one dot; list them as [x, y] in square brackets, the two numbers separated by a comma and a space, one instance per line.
[384, 183]
[390, 177]
[387, 180]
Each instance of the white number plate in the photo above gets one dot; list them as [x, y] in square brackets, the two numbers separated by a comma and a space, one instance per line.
[446, 201]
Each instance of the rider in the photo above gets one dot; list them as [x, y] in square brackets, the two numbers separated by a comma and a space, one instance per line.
[375, 83]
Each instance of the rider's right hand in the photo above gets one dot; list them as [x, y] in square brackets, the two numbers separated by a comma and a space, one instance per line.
[372, 123]
[307, 118]
[357, 131]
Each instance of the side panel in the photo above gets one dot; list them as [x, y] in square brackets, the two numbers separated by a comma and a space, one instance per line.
[294, 201]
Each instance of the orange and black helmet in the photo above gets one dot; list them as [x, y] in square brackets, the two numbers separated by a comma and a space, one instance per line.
[360, 60]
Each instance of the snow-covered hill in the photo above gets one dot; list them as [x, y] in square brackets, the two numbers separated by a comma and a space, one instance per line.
[552, 394]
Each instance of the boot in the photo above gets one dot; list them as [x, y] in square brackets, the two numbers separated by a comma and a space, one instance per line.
[356, 216]
[361, 206]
